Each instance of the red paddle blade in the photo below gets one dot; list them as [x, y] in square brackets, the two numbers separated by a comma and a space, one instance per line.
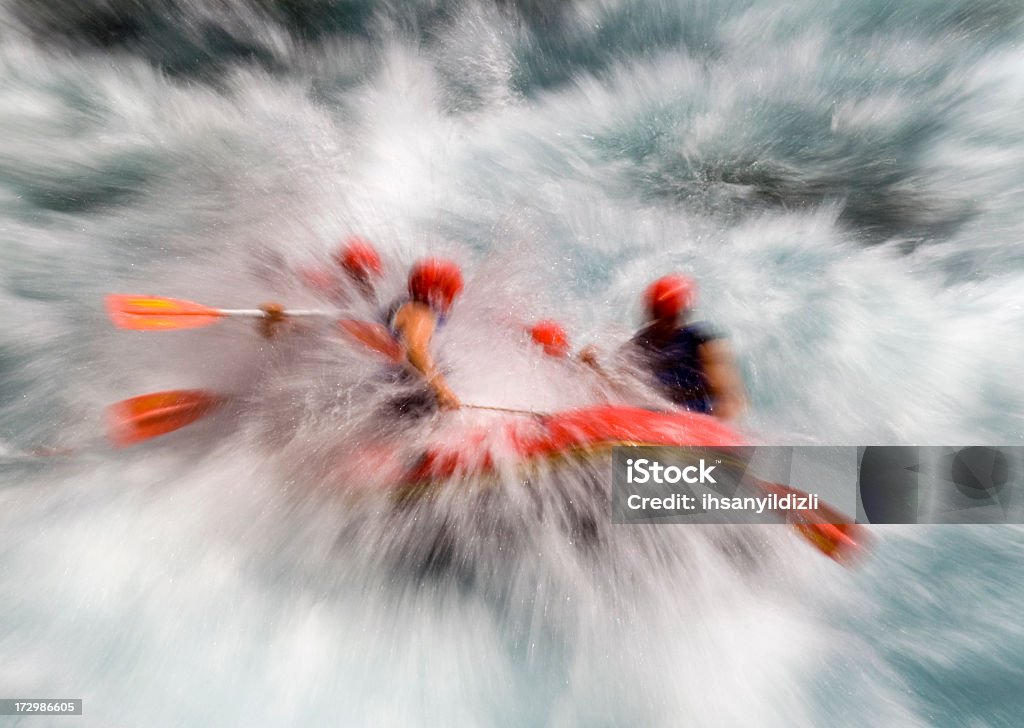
[843, 542]
[141, 418]
[823, 527]
[318, 279]
[149, 313]
[374, 337]
[830, 532]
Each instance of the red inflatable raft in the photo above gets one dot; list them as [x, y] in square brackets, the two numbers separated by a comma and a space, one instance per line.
[521, 441]
[584, 431]
[562, 433]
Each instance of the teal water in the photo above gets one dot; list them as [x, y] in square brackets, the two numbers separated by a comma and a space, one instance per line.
[843, 178]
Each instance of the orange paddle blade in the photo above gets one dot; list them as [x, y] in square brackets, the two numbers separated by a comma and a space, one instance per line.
[824, 527]
[832, 533]
[374, 337]
[147, 416]
[841, 542]
[149, 313]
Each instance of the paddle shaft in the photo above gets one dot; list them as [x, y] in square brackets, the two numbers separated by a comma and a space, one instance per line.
[508, 410]
[260, 313]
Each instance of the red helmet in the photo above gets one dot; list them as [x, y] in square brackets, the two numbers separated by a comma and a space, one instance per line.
[552, 337]
[669, 296]
[436, 282]
[359, 259]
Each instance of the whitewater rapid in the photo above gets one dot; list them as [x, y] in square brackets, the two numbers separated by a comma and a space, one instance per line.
[843, 179]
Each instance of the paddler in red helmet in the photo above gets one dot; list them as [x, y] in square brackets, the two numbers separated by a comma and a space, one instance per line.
[434, 284]
[358, 267]
[551, 337]
[362, 265]
[690, 364]
[553, 340]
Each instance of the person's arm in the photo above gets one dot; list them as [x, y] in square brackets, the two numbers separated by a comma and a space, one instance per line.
[415, 324]
[723, 379]
[588, 356]
[622, 381]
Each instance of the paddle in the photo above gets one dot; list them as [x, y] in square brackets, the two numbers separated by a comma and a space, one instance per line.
[146, 416]
[153, 313]
[142, 418]
[824, 527]
[509, 410]
[374, 337]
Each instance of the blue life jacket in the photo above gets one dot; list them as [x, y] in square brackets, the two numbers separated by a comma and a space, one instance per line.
[676, 366]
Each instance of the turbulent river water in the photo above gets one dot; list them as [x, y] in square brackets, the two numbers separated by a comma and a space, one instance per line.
[843, 178]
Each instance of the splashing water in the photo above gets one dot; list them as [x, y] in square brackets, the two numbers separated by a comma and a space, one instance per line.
[843, 179]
